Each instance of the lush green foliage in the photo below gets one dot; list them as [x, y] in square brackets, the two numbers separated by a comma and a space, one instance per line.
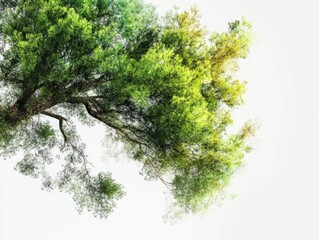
[164, 86]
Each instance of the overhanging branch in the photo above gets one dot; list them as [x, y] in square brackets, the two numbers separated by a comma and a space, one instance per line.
[87, 101]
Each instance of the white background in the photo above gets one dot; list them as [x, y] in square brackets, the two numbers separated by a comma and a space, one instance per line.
[277, 189]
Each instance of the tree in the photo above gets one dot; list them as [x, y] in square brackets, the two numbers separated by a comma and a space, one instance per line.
[165, 87]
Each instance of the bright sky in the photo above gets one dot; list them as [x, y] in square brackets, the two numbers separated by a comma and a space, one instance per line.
[277, 189]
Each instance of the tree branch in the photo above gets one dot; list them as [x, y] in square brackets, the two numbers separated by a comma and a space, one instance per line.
[53, 115]
[61, 119]
[123, 133]
[85, 85]
[65, 137]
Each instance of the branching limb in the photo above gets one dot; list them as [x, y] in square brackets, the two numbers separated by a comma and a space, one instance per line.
[66, 138]
[87, 103]
[61, 119]
[53, 115]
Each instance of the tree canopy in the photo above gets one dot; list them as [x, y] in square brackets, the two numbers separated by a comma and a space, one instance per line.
[164, 86]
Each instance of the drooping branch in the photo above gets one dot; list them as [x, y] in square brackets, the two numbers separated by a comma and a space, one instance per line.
[61, 119]
[87, 101]
[66, 138]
